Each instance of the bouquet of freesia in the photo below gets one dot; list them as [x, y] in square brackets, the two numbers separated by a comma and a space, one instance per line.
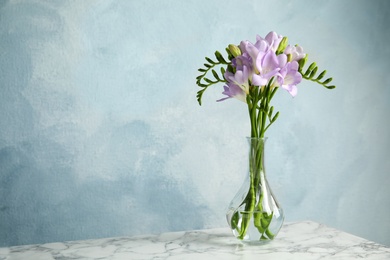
[252, 73]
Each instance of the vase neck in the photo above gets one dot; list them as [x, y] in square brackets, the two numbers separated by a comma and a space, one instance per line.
[256, 156]
[257, 139]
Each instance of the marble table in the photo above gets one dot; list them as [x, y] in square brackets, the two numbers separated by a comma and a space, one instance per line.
[300, 240]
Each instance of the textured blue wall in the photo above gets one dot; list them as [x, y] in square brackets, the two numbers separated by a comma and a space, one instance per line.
[101, 135]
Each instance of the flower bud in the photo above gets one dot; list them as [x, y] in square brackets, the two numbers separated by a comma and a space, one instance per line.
[302, 62]
[282, 45]
[234, 50]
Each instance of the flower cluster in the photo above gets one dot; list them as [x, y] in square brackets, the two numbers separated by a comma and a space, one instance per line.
[258, 64]
[254, 72]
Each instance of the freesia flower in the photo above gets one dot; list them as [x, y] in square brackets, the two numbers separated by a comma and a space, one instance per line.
[252, 52]
[295, 53]
[240, 78]
[268, 66]
[289, 77]
[273, 40]
[248, 57]
[231, 90]
[243, 61]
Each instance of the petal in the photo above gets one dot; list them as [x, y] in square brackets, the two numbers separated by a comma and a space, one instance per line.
[268, 63]
[273, 40]
[233, 91]
[271, 36]
[292, 78]
[292, 89]
[282, 60]
[294, 65]
[252, 51]
[258, 80]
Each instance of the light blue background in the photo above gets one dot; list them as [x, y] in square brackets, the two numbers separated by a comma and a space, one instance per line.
[101, 135]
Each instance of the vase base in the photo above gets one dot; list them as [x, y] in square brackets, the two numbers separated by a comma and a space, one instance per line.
[255, 227]
[255, 242]
[251, 238]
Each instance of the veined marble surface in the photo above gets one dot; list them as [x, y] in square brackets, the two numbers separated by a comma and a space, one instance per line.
[301, 240]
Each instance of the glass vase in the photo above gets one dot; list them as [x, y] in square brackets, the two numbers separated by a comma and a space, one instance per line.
[254, 215]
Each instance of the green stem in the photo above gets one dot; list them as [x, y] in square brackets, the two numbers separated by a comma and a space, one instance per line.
[258, 102]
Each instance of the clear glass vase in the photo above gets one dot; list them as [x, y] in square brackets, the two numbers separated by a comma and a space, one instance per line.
[254, 215]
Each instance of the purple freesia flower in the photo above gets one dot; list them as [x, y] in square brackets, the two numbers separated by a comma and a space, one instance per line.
[231, 90]
[268, 66]
[296, 52]
[240, 78]
[273, 40]
[242, 61]
[249, 54]
[252, 53]
[289, 77]
[249, 49]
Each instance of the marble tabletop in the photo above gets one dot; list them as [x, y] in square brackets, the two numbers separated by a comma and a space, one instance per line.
[300, 240]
